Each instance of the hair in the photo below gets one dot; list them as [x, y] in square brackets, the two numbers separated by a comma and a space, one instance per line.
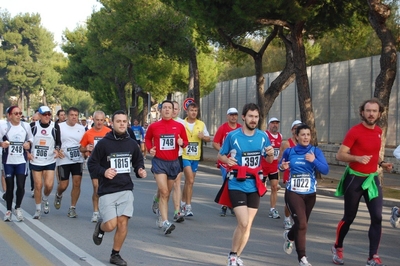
[372, 100]
[167, 101]
[250, 107]
[99, 113]
[60, 111]
[192, 104]
[72, 109]
[118, 112]
[11, 108]
[301, 127]
[175, 102]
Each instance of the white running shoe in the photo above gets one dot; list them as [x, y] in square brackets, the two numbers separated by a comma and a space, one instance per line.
[288, 244]
[287, 224]
[7, 216]
[45, 206]
[304, 262]
[37, 214]
[274, 214]
[95, 217]
[232, 260]
[168, 227]
[394, 219]
[188, 211]
[18, 215]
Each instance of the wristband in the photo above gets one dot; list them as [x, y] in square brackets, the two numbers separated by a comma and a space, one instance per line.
[380, 164]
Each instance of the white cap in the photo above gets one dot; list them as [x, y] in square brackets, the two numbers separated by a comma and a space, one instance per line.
[232, 110]
[295, 123]
[273, 119]
[44, 109]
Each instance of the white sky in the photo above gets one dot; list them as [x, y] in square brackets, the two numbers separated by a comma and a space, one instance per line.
[56, 15]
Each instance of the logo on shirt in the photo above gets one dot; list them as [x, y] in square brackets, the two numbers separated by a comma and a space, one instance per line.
[43, 132]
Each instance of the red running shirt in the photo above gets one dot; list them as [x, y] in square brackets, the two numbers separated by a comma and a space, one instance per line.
[164, 136]
[221, 134]
[276, 142]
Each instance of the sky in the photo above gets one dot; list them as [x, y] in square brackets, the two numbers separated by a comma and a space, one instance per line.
[56, 15]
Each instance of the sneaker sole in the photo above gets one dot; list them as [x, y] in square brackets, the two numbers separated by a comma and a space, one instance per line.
[179, 220]
[335, 262]
[169, 229]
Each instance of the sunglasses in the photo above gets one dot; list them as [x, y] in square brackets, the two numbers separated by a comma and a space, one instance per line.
[47, 114]
[17, 113]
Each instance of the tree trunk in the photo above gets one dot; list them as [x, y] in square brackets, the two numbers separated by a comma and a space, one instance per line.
[28, 104]
[3, 90]
[21, 101]
[378, 14]
[121, 94]
[195, 76]
[300, 68]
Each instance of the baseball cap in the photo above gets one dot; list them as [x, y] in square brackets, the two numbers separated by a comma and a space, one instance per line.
[44, 109]
[273, 119]
[295, 123]
[83, 118]
[232, 110]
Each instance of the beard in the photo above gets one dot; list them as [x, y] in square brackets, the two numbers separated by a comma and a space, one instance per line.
[369, 122]
[250, 126]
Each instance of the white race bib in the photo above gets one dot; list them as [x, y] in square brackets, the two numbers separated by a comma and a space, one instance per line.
[96, 140]
[41, 152]
[16, 149]
[121, 162]
[251, 159]
[167, 142]
[276, 153]
[300, 182]
[192, 148]
[73, 153]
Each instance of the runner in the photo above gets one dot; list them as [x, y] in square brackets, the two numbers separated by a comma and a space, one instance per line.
[270, 170]
[88, 142]
[360, 148]
[395, 214]
[110, 162]
[163, 139]
[197, 132]
[70, 161]
[219, 137]
[291, 142]
[16, 139]
[45, 150]
[246, 146]
[300, 195]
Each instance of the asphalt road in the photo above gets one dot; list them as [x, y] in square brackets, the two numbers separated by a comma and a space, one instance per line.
[204, 239]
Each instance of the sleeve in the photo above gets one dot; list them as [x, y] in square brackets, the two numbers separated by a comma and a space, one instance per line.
[94, 161]
[226, 147]
[137, 160]
[148, 139]
[396, 153]
[350, 138]
[184, 136]
[205, 131]
[85, 140]
[320, 162]
[218, 136]
[285, 157]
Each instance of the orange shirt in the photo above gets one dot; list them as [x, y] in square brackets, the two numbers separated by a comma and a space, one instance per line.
[92, 136]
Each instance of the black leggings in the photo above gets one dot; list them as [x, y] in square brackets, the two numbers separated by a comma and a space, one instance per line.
[19, 193]
[300, 207]
[352, 195]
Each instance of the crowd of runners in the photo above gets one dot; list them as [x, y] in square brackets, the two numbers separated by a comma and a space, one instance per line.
[250, 160]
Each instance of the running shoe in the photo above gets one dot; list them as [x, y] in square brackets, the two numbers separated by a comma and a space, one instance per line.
[98, 234]
[57, 201]
[188, 211]
[178, 217]
[274, 214]
[223, 211]
[287, 245]
[95, 217]
[304, 262]
[7, 216]
[37, 214]
[45, 206]
[168, 227]
[375, 261]
[154, 207]
[18, 215]
[337, 255]
[394, 218]
[232, 212]
[72, 212]
[3, 196]
[117, 260]
[287, 224]
[232, 260]
[239, 261]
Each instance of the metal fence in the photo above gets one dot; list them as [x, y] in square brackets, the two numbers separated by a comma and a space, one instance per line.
[337, 89]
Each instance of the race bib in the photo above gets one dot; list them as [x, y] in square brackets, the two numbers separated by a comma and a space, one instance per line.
[300, 182]
[73, 153]
[121, 162]
[41, 152]
[167, 142]
[276, 153]
[16, 149]
[192, 148]
[96, 139]
[251, 159]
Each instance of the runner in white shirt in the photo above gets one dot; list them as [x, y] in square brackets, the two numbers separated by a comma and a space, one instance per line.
[16, 139]
[70, 161]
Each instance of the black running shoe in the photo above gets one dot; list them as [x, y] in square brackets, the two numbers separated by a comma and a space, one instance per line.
[98, 234]
[117, 260]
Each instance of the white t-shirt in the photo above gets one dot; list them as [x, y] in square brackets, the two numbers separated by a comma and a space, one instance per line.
[16, 135]
[70, 143]
[43, 145]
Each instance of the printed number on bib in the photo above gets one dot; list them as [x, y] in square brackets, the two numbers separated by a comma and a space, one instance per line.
[300, 182]
[167, 142]
[192, 148]
[251, 159]
[73, 153]
[41, 151]
[276, 153]
[16, 148]
[121, 162]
